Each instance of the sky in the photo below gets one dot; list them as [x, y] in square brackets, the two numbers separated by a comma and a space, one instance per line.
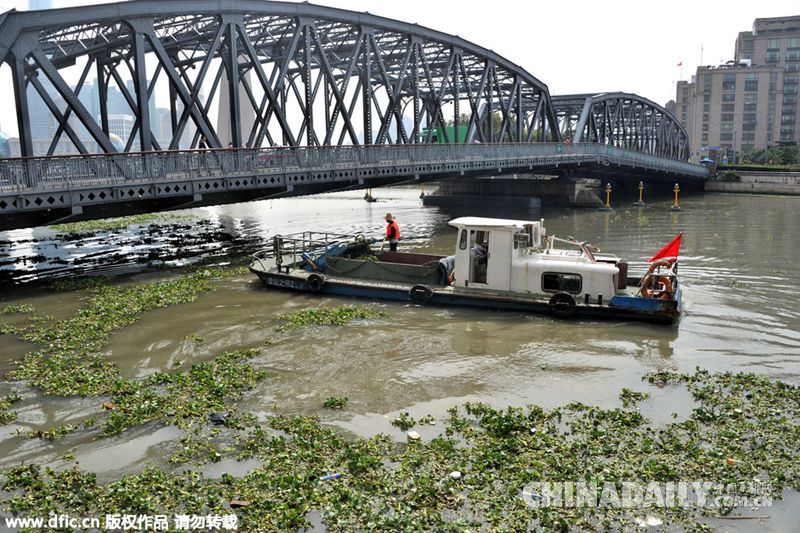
[576, 46]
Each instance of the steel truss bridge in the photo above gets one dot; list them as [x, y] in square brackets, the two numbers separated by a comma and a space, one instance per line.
[312, 98]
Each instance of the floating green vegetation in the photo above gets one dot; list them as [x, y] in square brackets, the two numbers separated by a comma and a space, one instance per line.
[335, 402]
[111, 224]
[52, 434]
[19, 309]
[404, 421]
[630, 398]
[194, 338]
[6, 415]
[183, 398]
[69, 360]
[471, 476]
[745, 427]
[80, 284]
[326, 316]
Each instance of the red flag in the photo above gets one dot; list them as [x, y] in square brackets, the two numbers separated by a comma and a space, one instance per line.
[670, 251]
[679, 64]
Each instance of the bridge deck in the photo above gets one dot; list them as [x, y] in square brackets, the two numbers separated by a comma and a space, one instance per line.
[42, 190]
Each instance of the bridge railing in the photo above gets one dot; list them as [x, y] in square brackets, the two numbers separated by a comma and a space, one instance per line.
[60, 172]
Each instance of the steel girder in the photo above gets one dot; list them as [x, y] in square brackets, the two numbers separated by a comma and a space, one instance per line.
[312, 75]
[624, 120]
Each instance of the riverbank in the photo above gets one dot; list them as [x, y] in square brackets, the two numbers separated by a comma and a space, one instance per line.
[755, 182]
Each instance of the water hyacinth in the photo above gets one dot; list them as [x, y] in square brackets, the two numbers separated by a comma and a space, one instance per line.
[326, 316]
[470, 476]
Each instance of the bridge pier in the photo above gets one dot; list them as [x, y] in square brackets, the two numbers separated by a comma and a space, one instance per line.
[531, 191]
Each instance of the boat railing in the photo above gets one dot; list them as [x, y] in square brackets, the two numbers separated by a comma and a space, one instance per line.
[297, 247]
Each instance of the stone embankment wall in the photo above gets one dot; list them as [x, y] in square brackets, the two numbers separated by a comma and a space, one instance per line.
[784, 183]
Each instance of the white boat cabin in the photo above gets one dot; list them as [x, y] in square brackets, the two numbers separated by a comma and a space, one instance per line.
[519, 257]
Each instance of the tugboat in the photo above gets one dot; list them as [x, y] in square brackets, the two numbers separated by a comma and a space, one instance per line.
[497, 264]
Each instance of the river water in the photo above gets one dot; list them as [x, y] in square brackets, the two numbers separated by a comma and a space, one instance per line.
[739, 270]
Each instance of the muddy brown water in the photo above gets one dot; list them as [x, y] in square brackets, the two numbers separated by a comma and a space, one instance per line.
[739, 270]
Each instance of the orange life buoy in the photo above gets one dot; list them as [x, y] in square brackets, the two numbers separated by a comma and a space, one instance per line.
[663, 284]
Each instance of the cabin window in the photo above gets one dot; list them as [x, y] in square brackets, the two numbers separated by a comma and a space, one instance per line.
[558, 282]
[462, 243]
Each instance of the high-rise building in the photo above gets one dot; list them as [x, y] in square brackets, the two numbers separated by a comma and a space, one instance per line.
[749, 102]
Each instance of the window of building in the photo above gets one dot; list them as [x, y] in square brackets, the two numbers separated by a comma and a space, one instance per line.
[705, 107]
[773, 44]
[789, 99]
[749, 117]
[705, 117]
[751, 85]
[790, 89]
[705, 127]
[794, 42]
[747, 148]
[791, 67]
[558, 282]
[747, 44]
[730, 97]
[728, 85]
[749, 126]
[727, 117]
[706, 97]
[726, 127]
[751, 76]
[771, 57]
[750, 98]
[748, 136]
[726, 136]
[728, 108]
[790, 80]
[750, 107]
[787, 128]
[792, 55]
[705, 137]
[787, 119]
[729, 76]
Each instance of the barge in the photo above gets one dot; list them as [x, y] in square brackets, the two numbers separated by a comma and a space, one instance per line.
[497, 264]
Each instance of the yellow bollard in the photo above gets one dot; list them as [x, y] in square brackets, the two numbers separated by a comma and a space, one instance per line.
[640, 203]
[607, 207]
[675, 206]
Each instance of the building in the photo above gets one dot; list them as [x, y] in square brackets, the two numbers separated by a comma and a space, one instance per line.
[750, 102]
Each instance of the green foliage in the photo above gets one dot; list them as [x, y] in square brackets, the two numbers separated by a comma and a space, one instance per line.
[332, 316]
[774, 156]
[335, 402]
[112, 224]
[753, 433]
[69, 360]
[6, 415]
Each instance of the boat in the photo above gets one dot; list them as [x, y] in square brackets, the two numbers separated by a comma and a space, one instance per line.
[497, 264]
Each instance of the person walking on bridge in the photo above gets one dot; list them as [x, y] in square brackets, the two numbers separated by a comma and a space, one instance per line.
[392, 233]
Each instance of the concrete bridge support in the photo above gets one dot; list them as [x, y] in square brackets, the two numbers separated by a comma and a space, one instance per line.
[525, 191]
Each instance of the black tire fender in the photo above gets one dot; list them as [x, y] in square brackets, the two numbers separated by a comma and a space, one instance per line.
[562, 305]
[315, 282]
[420, 294]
